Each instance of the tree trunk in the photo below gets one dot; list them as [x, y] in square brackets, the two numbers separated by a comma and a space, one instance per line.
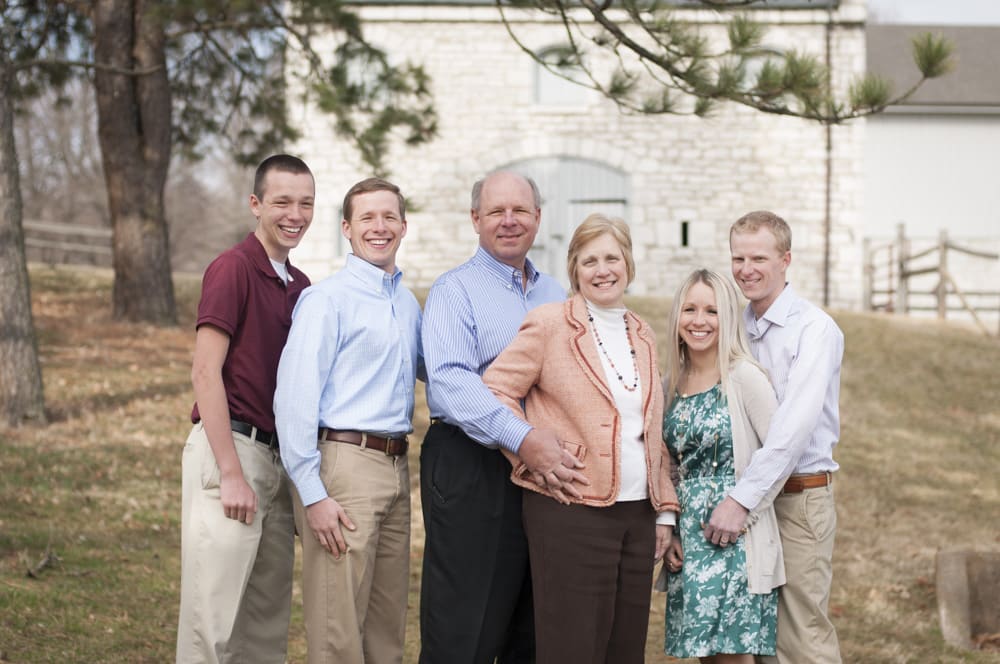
[134, 123]
[20, 371]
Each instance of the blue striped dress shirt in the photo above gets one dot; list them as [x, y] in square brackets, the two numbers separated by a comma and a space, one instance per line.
[350, 362]
[801, 347]
[472, 313]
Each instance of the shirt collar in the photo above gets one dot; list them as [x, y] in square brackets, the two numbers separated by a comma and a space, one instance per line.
[776, 314]
[508, 274]
[373, 276]
[780, 309]
[255, 250]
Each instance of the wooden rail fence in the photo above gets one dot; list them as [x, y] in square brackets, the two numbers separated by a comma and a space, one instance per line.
[55, 243]
[889, 268]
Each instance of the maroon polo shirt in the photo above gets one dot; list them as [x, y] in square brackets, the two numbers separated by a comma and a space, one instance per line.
[242, 295]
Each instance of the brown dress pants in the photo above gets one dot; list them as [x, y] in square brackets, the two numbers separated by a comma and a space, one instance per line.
[592, 570]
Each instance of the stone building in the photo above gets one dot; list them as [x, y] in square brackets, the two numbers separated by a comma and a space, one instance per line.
[680, 181]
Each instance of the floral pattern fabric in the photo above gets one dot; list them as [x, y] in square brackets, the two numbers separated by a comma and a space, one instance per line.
[710, 609]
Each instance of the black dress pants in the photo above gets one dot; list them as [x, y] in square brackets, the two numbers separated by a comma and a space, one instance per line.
[475, 596]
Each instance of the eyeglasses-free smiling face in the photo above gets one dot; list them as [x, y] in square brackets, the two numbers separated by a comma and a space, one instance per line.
[507, 219]
[698, 323]
[601, 272]
[375, 228]
[284, 211]
[758, 267]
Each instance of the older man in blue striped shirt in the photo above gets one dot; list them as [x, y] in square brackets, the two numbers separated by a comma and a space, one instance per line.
[344, 406]
[475, 603]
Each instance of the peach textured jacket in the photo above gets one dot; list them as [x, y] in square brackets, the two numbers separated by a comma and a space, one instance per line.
[554, 366]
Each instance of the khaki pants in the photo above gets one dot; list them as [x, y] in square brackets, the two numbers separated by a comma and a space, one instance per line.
[236, 579]
[355, 607]
[807, 522]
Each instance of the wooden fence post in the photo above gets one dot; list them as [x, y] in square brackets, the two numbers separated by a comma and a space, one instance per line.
[942, 287]
[902, 286]
[869, 271]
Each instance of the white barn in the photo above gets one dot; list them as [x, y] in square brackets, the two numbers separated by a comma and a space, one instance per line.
[932, 162]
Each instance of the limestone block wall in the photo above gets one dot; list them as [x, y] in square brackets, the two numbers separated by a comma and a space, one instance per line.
[706, 172]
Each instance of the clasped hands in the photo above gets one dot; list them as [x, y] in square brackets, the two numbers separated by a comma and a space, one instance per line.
[551, 466]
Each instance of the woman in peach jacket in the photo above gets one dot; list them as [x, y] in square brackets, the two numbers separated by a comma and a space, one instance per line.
[586, 370]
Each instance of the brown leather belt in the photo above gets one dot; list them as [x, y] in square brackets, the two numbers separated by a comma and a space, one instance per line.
[388, 446]
[799, 483]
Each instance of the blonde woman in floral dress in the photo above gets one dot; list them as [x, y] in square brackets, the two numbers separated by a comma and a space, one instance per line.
[721, 596]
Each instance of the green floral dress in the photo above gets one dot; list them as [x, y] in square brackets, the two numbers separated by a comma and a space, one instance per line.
[710, 609]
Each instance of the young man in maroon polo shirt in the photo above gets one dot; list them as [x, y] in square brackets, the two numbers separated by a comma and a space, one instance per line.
[237, 524]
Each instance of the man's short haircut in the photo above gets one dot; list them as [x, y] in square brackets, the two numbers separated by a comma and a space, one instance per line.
[367, 186]
[477, 189]
[754, 221]
[285, 163]
[592, 228]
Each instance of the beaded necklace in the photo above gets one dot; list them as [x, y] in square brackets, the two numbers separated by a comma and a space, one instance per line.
[611, 363]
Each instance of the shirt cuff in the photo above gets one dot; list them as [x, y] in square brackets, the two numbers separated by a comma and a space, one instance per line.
[311, 490]
[513, 434]
[668, 518]
[745, 496]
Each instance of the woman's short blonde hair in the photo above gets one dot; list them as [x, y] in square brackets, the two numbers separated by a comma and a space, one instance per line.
[593, 227]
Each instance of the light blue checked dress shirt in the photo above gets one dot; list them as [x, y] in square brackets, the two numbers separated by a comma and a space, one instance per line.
[472, 313]
[350, 362]
[801, 348]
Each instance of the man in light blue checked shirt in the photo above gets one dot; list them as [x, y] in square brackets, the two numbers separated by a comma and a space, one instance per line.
[343, 408]
[475, 603]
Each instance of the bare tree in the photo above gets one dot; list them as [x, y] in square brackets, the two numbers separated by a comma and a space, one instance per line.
[20, 371]
[60, 161]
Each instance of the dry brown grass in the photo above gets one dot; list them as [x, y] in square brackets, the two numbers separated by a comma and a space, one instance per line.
[100, 485]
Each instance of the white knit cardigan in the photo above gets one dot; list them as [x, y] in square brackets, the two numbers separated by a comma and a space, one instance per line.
[751, 403]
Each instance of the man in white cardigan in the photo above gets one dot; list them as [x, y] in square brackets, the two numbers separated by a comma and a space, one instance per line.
[802, 348]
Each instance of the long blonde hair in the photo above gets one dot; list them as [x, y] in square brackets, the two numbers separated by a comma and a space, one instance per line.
[733, 345]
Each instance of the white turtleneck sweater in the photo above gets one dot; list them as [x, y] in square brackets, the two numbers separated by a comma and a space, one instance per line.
[610, 324]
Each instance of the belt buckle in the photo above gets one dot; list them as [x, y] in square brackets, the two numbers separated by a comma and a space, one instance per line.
[390, 444]
[269, 442]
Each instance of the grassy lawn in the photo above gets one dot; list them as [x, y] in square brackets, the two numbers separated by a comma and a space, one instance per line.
[98, 489]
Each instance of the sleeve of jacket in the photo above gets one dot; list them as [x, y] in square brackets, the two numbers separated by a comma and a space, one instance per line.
[675, 473]
[665, 478]
[516, 370]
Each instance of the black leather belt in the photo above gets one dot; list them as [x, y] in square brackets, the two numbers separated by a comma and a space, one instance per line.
[262, 437]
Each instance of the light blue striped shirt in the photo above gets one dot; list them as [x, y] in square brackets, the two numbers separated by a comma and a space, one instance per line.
[350, 362]
[472, 313]
[802, 348]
